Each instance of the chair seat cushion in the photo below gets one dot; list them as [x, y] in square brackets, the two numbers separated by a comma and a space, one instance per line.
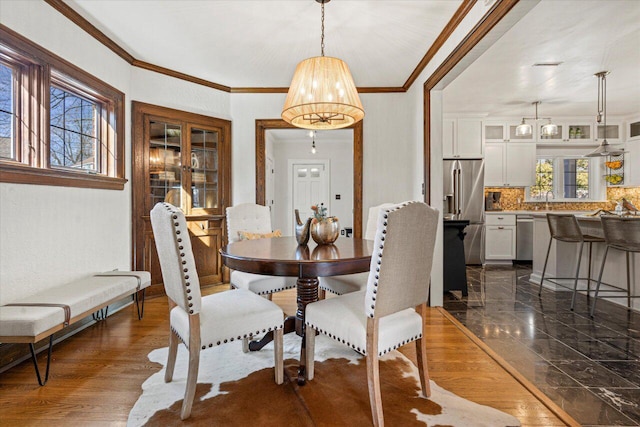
[229, 315]
[259, 284]
[344, 284]
[343, 318]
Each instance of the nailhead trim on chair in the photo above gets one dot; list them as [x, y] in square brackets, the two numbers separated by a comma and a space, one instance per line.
[226, 340]
[371, 312]
[267, 293]
[363, 351]
[185, 270]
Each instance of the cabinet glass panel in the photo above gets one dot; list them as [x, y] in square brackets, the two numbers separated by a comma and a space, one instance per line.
[557, 136]
[204, 168]
[634, 130]
[579, 132]
[609, 131]
[164, 163]
[494, 132]
[514, 137]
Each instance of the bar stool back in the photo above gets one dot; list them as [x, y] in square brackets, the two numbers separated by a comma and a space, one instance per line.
[622, 234]
[565, 228]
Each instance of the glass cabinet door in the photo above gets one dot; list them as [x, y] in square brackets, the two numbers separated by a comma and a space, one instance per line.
[204, 168]
[165, 177]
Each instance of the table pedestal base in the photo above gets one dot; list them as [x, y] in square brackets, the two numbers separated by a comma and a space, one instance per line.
[307, 292]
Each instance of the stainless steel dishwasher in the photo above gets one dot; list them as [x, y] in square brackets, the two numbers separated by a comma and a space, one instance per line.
[524, 237]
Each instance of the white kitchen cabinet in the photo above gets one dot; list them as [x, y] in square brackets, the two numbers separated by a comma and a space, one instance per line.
[500, 237]
[633, 129]
[509, 164]
[614, 132]
[576, 131]
[462, 138]
[632, 163]
[505, 131]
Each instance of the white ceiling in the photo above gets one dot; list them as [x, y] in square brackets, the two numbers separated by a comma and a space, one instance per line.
[248, 43]
[252, 43]
[587, 36]
[294, 135]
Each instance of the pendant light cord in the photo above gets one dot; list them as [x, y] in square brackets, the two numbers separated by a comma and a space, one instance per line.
[322, 28]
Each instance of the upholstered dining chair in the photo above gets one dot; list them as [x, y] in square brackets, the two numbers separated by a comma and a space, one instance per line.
[204, 322]
[255, 220]
[391, 311]
[346, 283]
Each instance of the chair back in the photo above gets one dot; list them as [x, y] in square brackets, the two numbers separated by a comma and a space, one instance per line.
[400, 271]
[372, 220]
[622, 233]
[177, 263]
[247, 217]
[564, 227]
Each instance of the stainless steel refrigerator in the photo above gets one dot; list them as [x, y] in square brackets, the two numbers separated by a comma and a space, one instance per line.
[464, 199]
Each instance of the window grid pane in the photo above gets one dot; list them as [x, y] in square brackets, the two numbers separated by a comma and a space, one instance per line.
[7, 112]
[74, 131]
[544, 178]
[576, 178]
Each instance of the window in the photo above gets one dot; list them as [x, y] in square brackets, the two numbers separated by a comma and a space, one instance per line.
[58, 124]
[563, 178]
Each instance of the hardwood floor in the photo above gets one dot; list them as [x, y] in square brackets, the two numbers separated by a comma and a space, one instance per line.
[96, 375]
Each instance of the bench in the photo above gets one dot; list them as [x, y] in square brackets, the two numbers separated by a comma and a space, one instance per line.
[39, 316]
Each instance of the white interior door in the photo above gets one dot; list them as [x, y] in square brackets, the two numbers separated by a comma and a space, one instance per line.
[310, 187]
[270, 186]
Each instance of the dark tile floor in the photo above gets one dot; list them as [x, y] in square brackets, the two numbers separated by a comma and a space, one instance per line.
[589, 367]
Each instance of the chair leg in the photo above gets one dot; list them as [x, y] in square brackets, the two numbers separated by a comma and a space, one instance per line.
[171, 360]
[322, 294]
[278, 355]
[423, 369]
[595, 295]
[310, 349]
[373, 373]
[628, 284]
[575, 284]
[544, 269]
[245, 343]
[192, 380]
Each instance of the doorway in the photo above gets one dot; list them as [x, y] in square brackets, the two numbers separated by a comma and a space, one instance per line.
[262, 125]
[309, 184]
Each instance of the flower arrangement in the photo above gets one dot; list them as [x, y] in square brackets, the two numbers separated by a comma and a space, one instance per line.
[319, 211]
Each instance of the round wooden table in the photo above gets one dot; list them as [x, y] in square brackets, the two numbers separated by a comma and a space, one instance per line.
[282, 256]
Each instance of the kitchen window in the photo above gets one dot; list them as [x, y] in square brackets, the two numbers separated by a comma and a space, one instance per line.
[566, 178]
[59, 125]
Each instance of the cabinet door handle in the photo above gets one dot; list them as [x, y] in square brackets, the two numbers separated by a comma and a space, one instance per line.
[500, 228]
[500, 217]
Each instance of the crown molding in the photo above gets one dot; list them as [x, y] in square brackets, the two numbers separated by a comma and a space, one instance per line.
[94, 32]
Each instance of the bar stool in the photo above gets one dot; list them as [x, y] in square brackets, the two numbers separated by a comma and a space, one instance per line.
[622, 234]
[565, 228]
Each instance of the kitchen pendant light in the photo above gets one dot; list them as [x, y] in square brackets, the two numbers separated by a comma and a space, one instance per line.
[604, 149]
[322, 94]
[526, 129]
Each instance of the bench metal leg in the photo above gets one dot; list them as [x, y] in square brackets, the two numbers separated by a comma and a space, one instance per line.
[101, 314]
[139, 303]
[35, 361]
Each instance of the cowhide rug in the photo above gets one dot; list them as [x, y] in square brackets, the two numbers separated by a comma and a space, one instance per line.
[238, 389]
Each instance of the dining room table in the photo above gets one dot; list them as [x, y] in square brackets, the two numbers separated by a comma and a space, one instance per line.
[282, 256]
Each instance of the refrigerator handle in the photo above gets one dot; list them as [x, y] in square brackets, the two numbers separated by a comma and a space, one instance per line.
[456, 191]
[460, 193]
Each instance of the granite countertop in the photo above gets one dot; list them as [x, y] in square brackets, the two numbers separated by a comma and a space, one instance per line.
[537, 213]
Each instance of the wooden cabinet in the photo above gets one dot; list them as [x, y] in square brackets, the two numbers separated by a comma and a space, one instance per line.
[500, 237]
[509, 164]
[462, 138]
[183, 159]
[505, 131]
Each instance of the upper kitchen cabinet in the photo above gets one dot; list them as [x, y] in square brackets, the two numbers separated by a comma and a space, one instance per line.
[509, 164]
[575, 131]
[183, 159]
[504, 131]
[462, 138]
[633, 129]
[632, 160]
[614, 132]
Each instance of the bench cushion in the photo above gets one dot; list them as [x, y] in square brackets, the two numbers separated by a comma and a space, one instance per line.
[84, 295]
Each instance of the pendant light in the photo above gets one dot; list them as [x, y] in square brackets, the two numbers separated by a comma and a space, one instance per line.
[322, 94]
[312, 133]
[526, 129]
[604, 149]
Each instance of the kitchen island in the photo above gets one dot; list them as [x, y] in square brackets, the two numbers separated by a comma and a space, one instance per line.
[564, 256]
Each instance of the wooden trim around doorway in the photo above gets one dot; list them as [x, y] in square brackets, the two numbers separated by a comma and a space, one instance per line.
[499, 11]
[262, 125]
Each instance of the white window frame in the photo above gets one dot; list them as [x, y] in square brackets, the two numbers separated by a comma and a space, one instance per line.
[597, 191]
